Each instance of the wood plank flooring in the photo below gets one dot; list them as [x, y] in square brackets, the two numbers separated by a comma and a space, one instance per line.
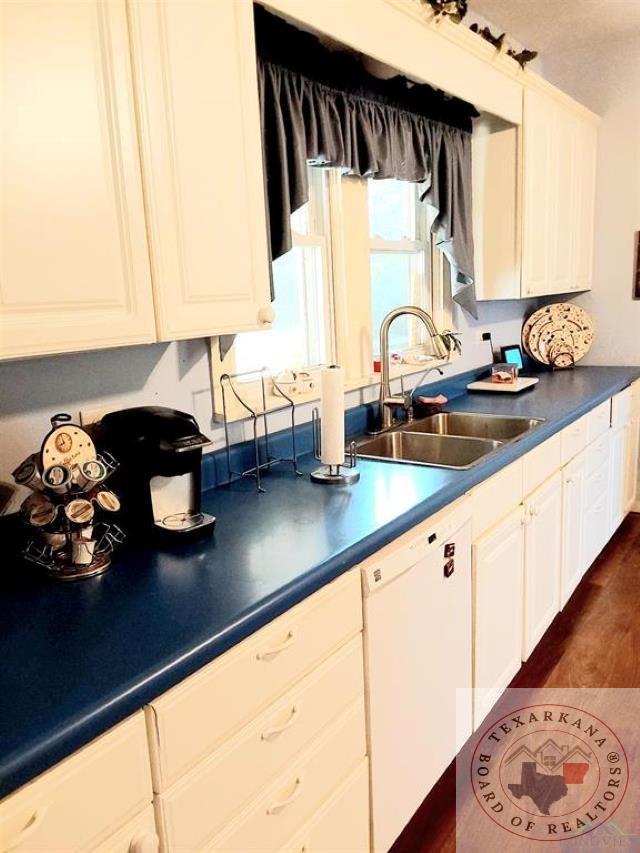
[594, 642]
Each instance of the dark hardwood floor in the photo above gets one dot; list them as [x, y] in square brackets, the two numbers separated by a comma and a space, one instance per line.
[594, 642]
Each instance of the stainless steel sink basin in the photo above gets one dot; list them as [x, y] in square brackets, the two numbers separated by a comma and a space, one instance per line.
[442, 451]
[469, 424]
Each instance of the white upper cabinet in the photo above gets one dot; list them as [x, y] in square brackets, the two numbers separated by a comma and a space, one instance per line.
[74, 264]
[197, 95]
[537, 193]
[559, 161]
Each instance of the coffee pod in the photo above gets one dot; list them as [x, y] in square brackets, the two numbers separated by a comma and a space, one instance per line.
[79, 511]
[82, 551]
[57, 478]
[42, 514]
[56, 541]
[108, 501]
[28, 473]
[89, 474]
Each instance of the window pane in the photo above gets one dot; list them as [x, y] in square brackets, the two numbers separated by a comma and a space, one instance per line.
[397, 278]
[297, 337]
[392, 210]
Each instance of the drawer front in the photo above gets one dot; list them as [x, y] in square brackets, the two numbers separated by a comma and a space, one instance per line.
[283, 810]
[138, 836]
[191, 720]
[541, 462]
[621, 408]
[494, 499]
[574, 439]
[83, 800]
[246, 764]
[341, 825]
[598, 421]
[598, 453]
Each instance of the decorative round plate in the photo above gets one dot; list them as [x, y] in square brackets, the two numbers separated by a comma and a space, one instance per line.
[561, 324]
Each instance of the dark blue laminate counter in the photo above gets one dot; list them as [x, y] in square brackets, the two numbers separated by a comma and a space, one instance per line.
[78, 658]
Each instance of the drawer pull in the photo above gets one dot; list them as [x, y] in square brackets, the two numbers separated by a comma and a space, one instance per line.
[277, 649]
[28, 829]
[267, 734]
[278, 806]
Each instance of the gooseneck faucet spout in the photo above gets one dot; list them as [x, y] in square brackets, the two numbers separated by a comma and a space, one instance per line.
[387, 401]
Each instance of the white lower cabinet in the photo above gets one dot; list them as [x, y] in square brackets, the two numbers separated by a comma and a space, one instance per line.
[543, 557]
[498, 572]
[83, 802]
[631, 464]
[617, 470]
[573, 508]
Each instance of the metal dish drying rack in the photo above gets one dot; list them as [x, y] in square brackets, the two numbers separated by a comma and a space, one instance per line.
[263, 460]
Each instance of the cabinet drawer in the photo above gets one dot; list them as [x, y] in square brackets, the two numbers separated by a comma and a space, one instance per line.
[245, 765]
[541, 462]
[138, 836]
[621, 408]
[598, 453]
[341, 825]
[598, 421]
[188, 722]
[83, 800]
[496, 498]
[574, 439]
[290, 802]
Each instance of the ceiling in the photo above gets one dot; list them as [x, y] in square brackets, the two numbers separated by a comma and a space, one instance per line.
[553, 26]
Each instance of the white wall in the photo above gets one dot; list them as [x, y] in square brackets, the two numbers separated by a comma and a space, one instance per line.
[175, 375]
[606, 78]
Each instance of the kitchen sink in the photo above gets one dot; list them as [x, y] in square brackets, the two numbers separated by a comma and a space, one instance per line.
[448, 439]
[471, 425]
[442, 451]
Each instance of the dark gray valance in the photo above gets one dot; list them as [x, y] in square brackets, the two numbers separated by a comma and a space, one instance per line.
[323, 108]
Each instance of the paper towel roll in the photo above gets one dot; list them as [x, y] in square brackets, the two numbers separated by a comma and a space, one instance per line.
[332, 415]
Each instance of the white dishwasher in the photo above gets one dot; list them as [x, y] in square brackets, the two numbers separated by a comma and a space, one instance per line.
[417, 612]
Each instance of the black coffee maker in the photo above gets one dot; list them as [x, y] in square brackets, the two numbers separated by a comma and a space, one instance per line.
[160, 473]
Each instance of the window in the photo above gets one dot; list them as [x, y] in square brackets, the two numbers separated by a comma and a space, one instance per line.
[400, 255]
[301, 334]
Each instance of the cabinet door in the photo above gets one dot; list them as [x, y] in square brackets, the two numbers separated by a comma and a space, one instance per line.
[543, 557]
[617, 478]
[195, 68]
[562, 213]
[573, 507]
[537, 190]
[498, 573]
[585, 149]
[75, 266]
[631, 465]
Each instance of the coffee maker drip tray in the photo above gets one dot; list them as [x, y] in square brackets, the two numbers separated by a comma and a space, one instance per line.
[186, 522]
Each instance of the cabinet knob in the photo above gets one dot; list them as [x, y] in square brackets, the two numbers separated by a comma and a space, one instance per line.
[144, 842]
[266, 315]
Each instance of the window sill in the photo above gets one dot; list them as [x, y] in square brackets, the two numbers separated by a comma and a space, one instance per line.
[275, 402]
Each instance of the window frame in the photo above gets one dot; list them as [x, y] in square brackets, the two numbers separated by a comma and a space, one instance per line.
[346, 249]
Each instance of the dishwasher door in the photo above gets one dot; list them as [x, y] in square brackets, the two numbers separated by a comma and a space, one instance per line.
[418, 620]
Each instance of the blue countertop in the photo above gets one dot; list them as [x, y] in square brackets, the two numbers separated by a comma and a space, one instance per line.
[78, 658]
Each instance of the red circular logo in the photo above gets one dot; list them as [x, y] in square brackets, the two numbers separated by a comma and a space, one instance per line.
[549, 772]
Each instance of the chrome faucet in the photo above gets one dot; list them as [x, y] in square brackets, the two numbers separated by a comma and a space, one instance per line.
[388, 401]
